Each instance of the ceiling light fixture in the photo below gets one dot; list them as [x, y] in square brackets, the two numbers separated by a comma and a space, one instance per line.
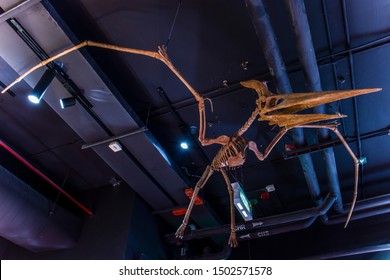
[115, 146]
[184, 145]
[67, 102]
[242, 202]
[40, 88]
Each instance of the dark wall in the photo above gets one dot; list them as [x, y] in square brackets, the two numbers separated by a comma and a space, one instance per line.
[145, 239]
[3, 246]
[120, 215]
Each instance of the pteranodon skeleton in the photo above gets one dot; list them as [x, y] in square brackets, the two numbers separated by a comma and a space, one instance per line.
[276, 109]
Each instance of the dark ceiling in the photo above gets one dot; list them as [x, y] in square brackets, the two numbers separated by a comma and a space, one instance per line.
[214, 45]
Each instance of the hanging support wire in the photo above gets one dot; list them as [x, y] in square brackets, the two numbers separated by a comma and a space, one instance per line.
[172, 26]
[52, 210]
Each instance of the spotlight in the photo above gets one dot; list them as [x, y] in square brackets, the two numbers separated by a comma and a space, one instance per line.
[67, 102]
[33, 99]
[184, 145]
[41, 87]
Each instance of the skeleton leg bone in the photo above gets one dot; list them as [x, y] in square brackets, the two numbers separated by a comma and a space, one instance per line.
[253, 147]
[232, 240]
[333, 127]
[202, 121]
[202, 181]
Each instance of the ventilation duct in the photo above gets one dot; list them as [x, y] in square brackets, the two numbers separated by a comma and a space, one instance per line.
[32, 221]
[270, 47]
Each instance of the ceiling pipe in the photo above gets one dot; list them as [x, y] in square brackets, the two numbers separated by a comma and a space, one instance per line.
[277, 230]
[267, 40]
[366, 208]
[269, 45]
[278, 221]
[31, 221]
[353, 252]
[307, 57]
[226, 251]
[44, 177]
[298, 219]
[372, 202]
[358, 215]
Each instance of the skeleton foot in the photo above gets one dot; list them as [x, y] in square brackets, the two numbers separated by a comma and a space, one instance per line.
[233, 240]
[180, 231]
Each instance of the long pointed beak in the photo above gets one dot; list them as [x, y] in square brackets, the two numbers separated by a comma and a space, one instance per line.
[289, 103]
[294, 102]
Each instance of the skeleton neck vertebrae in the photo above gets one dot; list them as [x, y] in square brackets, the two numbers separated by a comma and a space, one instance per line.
[274, 108]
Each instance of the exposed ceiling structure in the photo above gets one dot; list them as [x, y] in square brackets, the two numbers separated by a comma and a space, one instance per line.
[301, 192]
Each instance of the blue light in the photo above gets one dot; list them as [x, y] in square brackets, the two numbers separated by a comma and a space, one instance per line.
[184, 145]
[34, 99]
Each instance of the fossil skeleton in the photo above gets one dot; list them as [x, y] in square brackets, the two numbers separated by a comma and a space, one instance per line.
[275, 108]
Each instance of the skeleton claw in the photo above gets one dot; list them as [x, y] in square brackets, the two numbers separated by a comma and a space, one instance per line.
[233, 240]
[180, 231]
[162, 50]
